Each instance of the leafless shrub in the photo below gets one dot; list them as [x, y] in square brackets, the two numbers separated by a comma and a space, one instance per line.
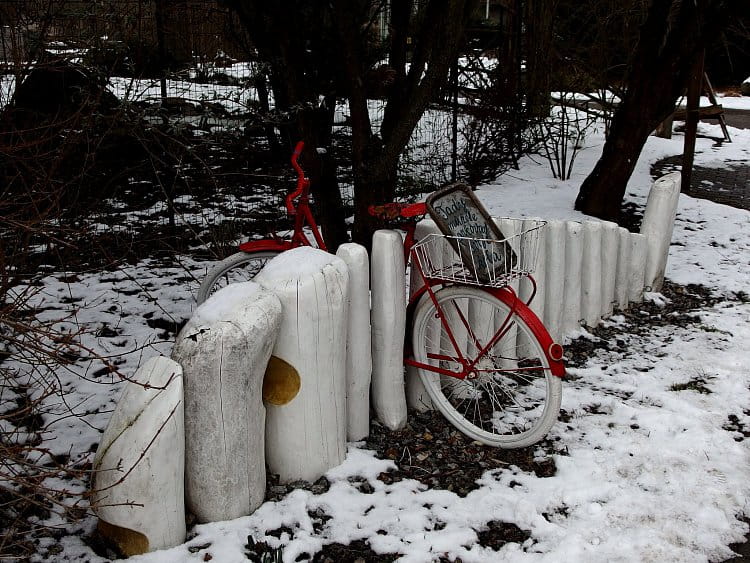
[563, 132]
[33, 353]
[493, 121]
[492, 142]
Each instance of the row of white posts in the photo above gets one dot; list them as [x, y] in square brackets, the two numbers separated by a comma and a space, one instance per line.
[282, 371]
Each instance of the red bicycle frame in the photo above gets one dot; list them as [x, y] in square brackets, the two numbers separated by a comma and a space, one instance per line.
[553, 350]
[299, 209]
[298, 206]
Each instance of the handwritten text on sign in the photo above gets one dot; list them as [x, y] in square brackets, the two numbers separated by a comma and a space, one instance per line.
[458, 215]
[461, 217]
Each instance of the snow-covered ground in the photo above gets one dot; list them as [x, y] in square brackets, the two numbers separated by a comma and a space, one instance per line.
[650, 474]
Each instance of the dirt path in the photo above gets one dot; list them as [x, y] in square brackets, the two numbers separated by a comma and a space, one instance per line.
[739, 118]
[729, 185]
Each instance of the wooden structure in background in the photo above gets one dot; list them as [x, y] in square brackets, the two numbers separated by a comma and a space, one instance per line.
[698, 84]
[714, 111]
[692, 118]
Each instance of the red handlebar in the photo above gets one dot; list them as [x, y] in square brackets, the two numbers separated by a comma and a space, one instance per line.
[302, 182]
[386, 211]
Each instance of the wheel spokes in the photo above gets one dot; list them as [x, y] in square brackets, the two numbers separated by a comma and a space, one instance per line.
[502, 388]
[497, 396]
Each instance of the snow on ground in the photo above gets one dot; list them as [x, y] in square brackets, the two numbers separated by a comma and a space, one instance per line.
[646, 471]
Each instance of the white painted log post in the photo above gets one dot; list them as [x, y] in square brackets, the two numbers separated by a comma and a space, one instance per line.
[358, 342]
[306, 422]
[416, 395]
[591, 273]
[224, 349]
[622, 279]
[657, 227]
[538, 266]
[610, 247]
[139, 466]
[554, 278]
[638, 257]
[453, 320]
[388, 319]
[573, 262]
[511, 228]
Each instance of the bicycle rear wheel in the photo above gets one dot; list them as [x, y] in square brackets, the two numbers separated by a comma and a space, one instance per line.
[239, 267]
[512, 398]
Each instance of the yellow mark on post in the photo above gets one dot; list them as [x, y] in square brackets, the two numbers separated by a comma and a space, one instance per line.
[281, 382]
[127, 542]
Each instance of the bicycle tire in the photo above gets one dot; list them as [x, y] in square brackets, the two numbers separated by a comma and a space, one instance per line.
[239, 267]
[515, 399]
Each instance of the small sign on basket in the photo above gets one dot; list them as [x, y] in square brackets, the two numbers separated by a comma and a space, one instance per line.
[481, 246]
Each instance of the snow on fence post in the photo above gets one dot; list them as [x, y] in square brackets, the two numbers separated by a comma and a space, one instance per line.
[416, 395]
[591, 273]
[638, 257]
[139, 467]
[223, 350]
[305, 387]
[610, 245]
[388, 319]
[554, 278]
[622, 279]
[538, 267]
[573, 262]
[358, 343]
[657, 226]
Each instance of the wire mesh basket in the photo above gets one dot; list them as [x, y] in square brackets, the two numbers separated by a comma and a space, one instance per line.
[483, 262]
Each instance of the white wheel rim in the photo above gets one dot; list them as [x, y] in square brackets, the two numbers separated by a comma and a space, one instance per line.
[546, 410]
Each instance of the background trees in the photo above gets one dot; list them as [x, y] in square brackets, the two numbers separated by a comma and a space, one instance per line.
[318, 52]
[673, 37]
[309, 59]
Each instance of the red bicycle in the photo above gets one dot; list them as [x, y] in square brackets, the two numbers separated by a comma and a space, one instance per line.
[252, 255]
[484, 357]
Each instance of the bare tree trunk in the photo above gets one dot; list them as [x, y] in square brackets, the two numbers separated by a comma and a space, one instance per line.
[315, 128]
[672, 38]
[538, 37]
[695, 86]
[605, 187]
[276, 33]
[436, 41]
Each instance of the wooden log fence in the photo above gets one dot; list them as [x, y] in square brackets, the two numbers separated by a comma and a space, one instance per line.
[302, 308]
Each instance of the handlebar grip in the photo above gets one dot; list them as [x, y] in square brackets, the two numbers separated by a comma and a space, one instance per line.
[297, 150]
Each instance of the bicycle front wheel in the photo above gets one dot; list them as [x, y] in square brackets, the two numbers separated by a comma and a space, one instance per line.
[239, 267]
[511, 398]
